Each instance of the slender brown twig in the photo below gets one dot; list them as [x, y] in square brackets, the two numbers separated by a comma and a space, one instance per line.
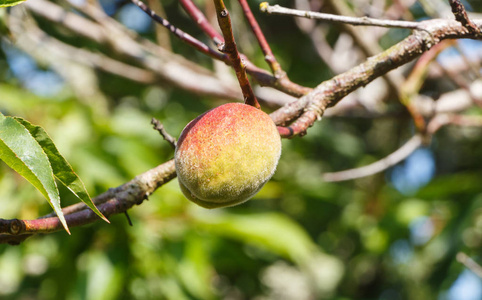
[280, 81]
[363, 21]
[263, 44]
[201, 21]
[229, 47]
[453, 119]
[412, 85]
[189, 39]
[162, 131]
[263, 77]
[460, 14]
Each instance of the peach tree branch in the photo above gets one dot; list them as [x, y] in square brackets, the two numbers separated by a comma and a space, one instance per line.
[263, 77]
[363, 21]
[168, 67]
[263, 43]
[279, 81]
[187, 38]
[200, 19]
[114, 201]
[162, 131]
[311, 107]
[460, 14]
[230, 48]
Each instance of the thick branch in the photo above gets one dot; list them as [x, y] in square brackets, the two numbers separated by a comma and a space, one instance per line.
[330, 92]
[114, 201]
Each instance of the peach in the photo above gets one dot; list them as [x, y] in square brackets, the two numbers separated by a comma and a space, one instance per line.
[226, 155]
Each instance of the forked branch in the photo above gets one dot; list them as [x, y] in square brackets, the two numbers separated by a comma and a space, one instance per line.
[460, 14]
[229, 47]
[263, 43]
[311, 107]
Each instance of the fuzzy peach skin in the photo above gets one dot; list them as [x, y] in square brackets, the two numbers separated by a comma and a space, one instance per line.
[226, 155]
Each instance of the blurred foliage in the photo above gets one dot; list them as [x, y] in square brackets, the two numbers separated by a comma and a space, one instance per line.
[299, 238]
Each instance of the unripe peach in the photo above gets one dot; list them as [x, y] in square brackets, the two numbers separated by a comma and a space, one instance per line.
[226, 155]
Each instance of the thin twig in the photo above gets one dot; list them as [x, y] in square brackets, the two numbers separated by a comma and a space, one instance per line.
[201, 21]
[408, 148]
[400, 154]
[231, 50]
[412, 85]
[460, 14]
[189, 39]
[366, 40]
[128, 218]
[280, 81]
[469, 263]
[160, 128]
[363, 21]
[95, 60]
[268, 54]
[169, 67]
[263, 77]
[162, 37]
[453, 119]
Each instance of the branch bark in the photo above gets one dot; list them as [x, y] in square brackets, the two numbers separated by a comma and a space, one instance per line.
[114, 201]
[230, 48]
[311, 107]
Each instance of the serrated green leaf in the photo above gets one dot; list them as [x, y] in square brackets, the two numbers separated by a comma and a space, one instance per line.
[6, 3]
[61, 168]
[20, 151]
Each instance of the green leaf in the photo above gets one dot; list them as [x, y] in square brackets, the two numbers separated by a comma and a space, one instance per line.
[20, 151]
[195, 268]
[272, 231]
[6, 3]
[61, 168]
